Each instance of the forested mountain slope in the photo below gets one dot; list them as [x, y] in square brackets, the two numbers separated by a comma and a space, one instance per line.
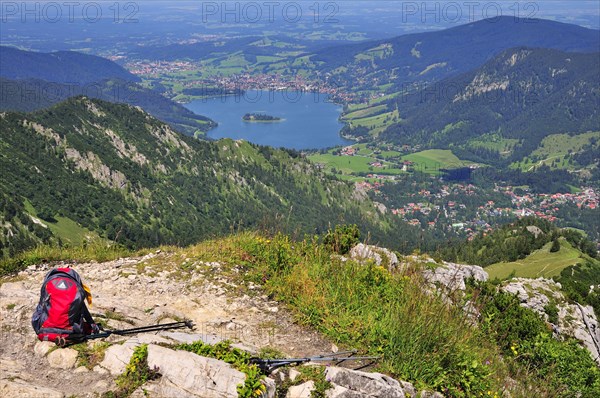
[523, 94]
[61, 67]
[116, 170]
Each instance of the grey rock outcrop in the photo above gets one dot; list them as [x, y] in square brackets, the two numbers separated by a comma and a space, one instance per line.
[116, 358]
[185, 374]
[379, 255]
[270, 388]
[536, 231]
[356, 384]
[453, 276]
[574, 320]
[42, 348]
[303, 390]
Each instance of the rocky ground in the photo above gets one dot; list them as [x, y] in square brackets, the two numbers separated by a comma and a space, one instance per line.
[141, 291]
[133, 295]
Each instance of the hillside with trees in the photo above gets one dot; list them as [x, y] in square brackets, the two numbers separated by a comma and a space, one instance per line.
[46, 94]
[117, 171]
[31, 81]
[524, 94]
[515, 241]
[60, 67]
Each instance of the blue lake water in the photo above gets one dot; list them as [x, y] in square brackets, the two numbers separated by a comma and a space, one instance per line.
[310, 121]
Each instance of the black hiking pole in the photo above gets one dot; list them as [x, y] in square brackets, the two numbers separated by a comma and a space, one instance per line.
[267, 365]
[143, 329]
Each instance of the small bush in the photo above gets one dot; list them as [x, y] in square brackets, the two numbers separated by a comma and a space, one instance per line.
[342, 238]
[307, 373]
[552, 311]
[136, 374]
[563, 366]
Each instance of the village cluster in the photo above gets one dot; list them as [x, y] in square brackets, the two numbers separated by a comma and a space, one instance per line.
[239, 81]
[455, 206]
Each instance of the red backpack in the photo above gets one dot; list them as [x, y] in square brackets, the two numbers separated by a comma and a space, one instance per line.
[61, 315]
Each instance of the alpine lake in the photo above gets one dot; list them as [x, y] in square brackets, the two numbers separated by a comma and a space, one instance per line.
[308, 119]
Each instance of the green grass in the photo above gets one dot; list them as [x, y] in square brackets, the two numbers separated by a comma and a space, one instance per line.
[541, 263]
[236, 60]
[428, 161]
[431, 160]
[495, 142]
[432, 67]
[94, 251]
[362, 113]
[350, 165]
[346, 164]
[381, 51]
[377, 123]
[373, 102]
[264, 59]
[419, 337]
[65, 228]
[303, 61]
[561, 144]
[69, 231]
[389, 154]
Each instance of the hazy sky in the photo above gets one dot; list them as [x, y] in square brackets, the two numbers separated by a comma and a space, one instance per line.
[102, 25]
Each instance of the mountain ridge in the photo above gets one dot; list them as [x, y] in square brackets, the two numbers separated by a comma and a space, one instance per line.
[432, 56]
[33, 94]
[31, 81]
[60, 67]
[522, 93]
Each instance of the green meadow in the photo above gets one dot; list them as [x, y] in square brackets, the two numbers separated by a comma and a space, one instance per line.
[64, 228]
[541, 263]
[431, 160]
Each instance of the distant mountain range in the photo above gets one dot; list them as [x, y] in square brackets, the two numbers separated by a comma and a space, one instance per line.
[249, 46]
[432, 56]
[117, 171]
[30, 81]
[60, 67]
[523, 93]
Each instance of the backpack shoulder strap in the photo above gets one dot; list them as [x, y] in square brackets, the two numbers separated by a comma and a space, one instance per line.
[86, 315]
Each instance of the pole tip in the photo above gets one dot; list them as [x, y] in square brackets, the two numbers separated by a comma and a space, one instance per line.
[189, 323]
